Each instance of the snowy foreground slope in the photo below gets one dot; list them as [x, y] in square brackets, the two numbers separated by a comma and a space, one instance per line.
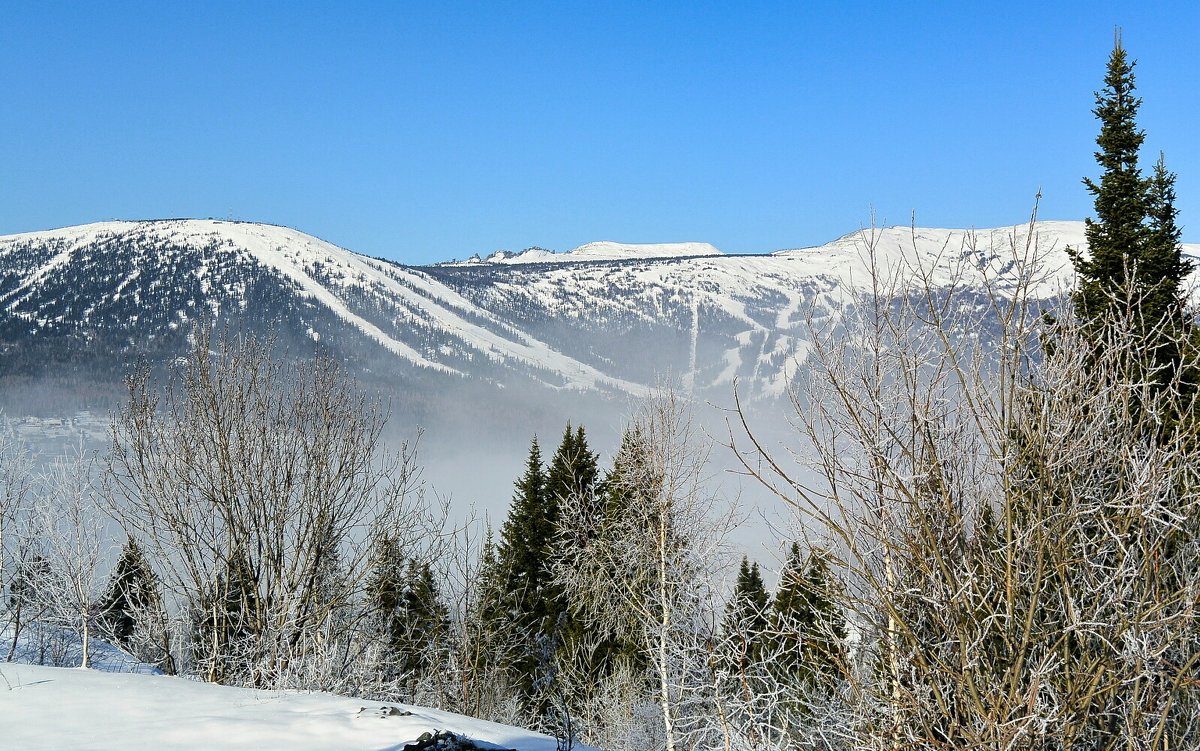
[126, 705]
[49, 709]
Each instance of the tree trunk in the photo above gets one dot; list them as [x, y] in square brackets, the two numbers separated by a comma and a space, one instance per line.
[664, 638]
[85, 637]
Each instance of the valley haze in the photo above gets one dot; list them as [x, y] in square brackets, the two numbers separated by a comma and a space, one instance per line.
[481, 354]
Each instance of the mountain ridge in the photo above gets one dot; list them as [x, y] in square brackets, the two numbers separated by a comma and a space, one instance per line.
[612, 318]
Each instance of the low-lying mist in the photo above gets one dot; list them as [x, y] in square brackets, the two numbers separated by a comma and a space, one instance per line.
[471, 441]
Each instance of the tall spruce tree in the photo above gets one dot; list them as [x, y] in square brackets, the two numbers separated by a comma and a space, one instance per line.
[385, 596]
[524, 574]
[427, 617]
[1134, 252]
[26, 594]
[573, 468]
[524, 543]
[227, 622]
[602, 508]
[571, 478]
[536, 611]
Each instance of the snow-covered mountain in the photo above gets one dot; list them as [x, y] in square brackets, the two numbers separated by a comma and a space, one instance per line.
[606, 318]
[597, 251]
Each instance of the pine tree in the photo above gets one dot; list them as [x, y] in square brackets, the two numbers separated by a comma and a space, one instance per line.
[426, 620]
[486, 641]
[132, 590]
[385, 595]
[489, 599]
[524, 543]
[573, 468]
[28, 601]
[1163, 255]
[536, 609]
[603, 505]
[630, 487]
[24, 591]
[227, 622]
[1133, 243]
[410, 618]
[572, 478]
[26, 598]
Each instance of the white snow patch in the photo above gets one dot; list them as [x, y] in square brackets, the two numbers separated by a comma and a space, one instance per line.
[45, 709]
[604, 250]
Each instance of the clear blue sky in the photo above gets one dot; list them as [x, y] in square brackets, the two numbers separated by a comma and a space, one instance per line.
[430, 130]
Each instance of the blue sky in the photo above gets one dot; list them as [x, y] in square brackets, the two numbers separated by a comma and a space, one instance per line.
[426, 131]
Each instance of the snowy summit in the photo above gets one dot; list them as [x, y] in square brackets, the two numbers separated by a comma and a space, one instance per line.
[603, 250]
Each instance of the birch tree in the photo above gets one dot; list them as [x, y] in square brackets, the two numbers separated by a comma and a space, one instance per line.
[16, 477]
[71, 535]
[646, 573]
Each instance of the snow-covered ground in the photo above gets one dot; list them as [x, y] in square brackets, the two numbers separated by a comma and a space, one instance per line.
[125, 705]
[60, 708]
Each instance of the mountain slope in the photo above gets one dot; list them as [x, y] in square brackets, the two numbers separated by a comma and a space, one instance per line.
[598, 251]
[605, 318]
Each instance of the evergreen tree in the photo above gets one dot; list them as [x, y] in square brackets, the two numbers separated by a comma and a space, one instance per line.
[489, 595]
[1130, 292]
[806, 623]
[1133, 243]
[602, 506]
[746, 618]
[1163, 255]
[486, 639]
[528, 538]
[25, 589]
[27, 600]
[573, 468]
[131, 610]
[536, 610]
[385, 596]
[572, 477]
[523, 570]
[627, 487]
[227, 620]
[525, 543]
[132, 592]
[426, 618]
[410, 617]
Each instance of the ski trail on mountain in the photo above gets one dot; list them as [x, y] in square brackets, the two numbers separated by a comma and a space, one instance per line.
[691, 380]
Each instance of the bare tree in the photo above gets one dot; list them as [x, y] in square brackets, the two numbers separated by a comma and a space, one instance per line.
[71, 535]
[255, 482]
[476, 680]
[16, 479]
[645, 569]
[1017, 532]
